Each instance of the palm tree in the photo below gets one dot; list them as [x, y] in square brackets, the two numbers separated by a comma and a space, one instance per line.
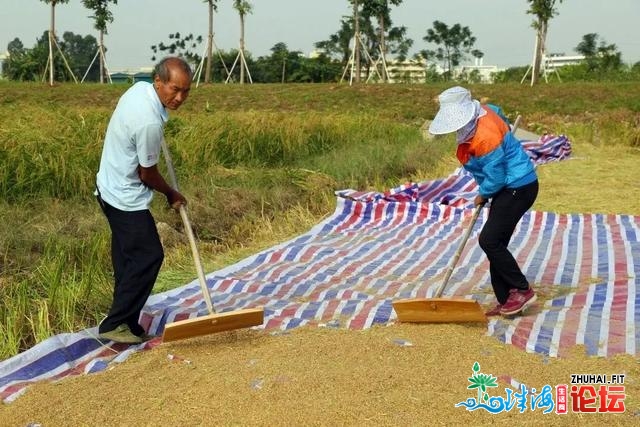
[243, 7]
[52, 35]
[101, 16]
[543, 10]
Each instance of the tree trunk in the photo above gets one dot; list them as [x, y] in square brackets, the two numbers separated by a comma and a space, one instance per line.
[383, 49]
[356, 40]
[207, 73]
[541, 36]
[51, 35]
[242, 61]
[101, 54]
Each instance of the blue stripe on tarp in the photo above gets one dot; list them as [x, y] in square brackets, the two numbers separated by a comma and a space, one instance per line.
[545, 334]
[51, 360]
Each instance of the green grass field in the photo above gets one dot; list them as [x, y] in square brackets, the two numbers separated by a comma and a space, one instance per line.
[259, 164]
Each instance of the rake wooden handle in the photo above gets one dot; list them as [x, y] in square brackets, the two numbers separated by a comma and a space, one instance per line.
[516, 124]
[189, 230]
[456, 257]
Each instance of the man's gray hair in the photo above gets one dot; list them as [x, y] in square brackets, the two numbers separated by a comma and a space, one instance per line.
[162, 68]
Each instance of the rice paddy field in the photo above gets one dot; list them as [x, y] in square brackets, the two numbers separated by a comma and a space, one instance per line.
[259, 165]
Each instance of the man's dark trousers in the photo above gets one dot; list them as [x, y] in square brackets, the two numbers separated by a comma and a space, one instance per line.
[136, 254]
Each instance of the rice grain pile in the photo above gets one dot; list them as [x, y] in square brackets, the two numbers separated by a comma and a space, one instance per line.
[400, 374]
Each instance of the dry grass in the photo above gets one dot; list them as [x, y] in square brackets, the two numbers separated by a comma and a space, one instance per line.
[594, 180]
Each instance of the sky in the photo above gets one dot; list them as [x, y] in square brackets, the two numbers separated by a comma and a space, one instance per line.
[502, 28]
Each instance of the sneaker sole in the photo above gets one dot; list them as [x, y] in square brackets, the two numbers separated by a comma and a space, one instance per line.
[120, 341]
[521, 309]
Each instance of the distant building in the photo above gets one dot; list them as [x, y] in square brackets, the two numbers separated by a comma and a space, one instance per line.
[485, 73]
[408, 71]
[132, 76]
[554, 61]
[3, 57]
[415, 71]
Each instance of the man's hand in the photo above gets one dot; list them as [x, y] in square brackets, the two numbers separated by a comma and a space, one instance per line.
[152, 179]
[479, 201]
[176, 199]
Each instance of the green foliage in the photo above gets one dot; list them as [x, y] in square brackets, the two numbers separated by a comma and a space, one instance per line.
[543, 10]
[284, 66]
[375, 24]
[243, 7]
[182, 46]
[338, 44]
[600, 58]
[583, 72]
[454, 43]
[55, 2]
[29, 64]
[102, 15]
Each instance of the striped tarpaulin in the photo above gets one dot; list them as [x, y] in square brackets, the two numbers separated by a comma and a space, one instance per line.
[346, 271]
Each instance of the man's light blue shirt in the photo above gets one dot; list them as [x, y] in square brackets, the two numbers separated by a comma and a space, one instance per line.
[133, 138]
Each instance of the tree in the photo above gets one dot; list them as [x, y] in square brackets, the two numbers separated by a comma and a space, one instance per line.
[20, 64]
[599, 57]
[52, 34]
[381, 10]
[102, 15]
[454, 44]
[285, 66]
[543, 10]
[376, 42]
[243, 7]
[338, 44]
[319, 69]
[351, 29]
[80, 51]
[30, 64]
[277, 67]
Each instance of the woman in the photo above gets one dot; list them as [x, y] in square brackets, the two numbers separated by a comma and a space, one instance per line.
[505, 175]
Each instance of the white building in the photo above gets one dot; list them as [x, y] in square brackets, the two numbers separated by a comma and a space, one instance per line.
[3, 57]
[485, 73]
[408, 71]
[553, 61]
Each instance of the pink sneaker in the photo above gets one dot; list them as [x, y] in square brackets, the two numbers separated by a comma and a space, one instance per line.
[495, 311]
[518, 300]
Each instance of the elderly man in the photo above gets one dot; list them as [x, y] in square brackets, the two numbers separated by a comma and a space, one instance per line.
[125, 185]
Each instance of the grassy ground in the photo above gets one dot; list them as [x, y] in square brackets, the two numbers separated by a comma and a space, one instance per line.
[259, 165]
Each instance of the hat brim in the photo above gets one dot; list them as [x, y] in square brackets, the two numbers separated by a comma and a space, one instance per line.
[452, 117]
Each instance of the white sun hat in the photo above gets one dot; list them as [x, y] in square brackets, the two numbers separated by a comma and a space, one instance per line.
[457, 108]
